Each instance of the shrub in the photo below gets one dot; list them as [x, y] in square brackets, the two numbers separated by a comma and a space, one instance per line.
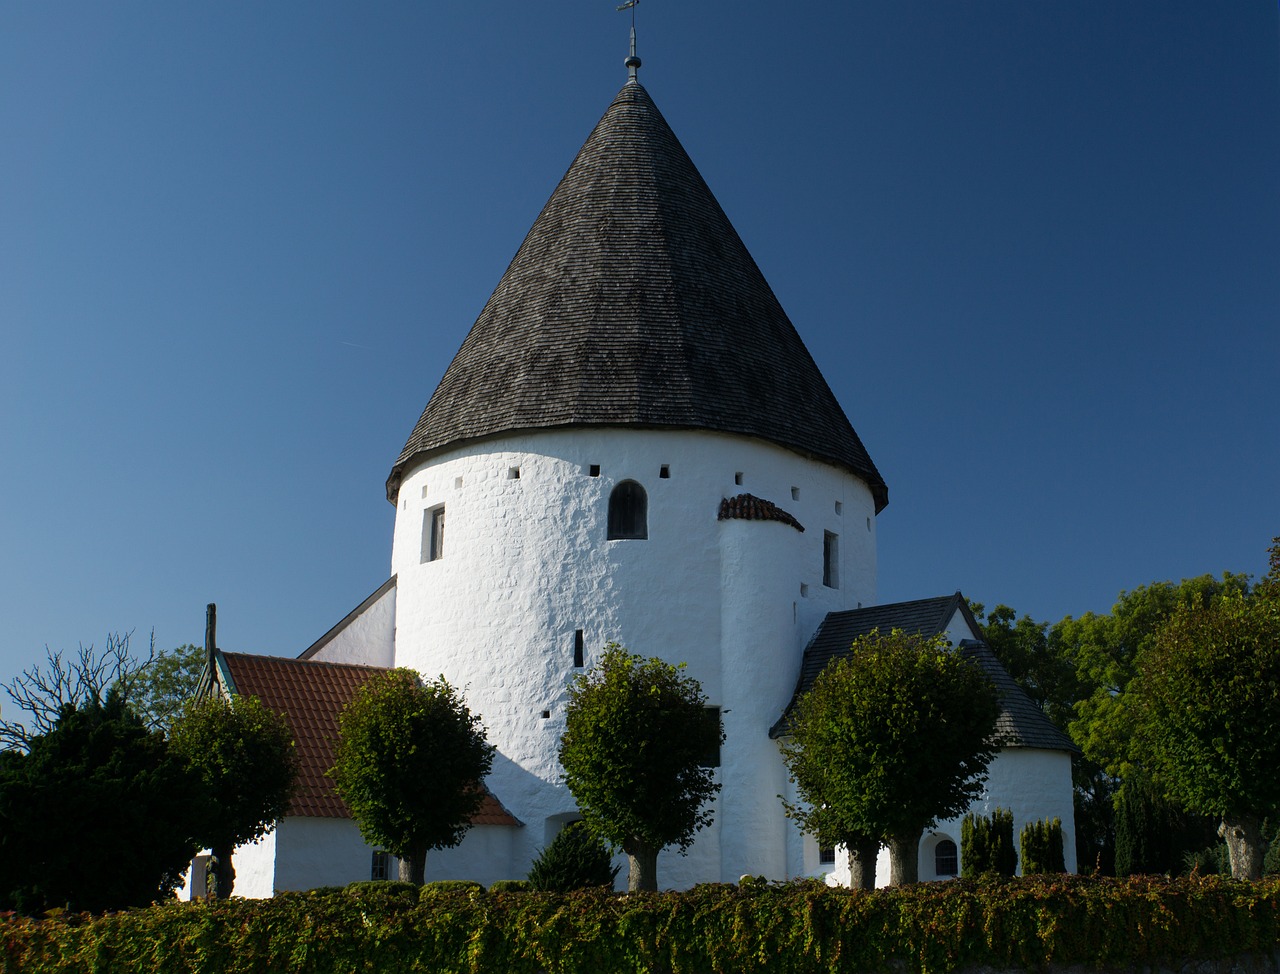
[986, 845]
[1041, 844]
[576, 859]
[510, 886]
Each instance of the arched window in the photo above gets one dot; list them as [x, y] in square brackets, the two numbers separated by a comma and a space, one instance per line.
[945, 860]
[628, 512]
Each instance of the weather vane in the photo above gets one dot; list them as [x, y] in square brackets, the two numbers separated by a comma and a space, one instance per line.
[632, 62]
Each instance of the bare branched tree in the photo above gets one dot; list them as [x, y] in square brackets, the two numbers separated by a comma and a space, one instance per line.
[43, 691]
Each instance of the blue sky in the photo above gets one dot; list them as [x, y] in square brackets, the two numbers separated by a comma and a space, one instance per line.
[1034, 247]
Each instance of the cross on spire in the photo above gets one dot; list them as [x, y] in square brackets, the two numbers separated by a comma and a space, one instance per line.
[632, 62]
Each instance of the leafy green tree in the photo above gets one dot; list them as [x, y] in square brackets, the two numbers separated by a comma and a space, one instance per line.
[97, 815]
[163, 685]
[410, 764]
[634, 751]
[575, 859]
[1154, 835]
[888, 741]
[244, 756]
[1207, 700]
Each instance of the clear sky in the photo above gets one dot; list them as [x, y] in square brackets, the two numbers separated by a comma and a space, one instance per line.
[1034, 247]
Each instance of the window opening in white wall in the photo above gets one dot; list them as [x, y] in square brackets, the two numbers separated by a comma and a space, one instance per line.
[546, 715]
[424, 490]
[795, 493]
[385, 866]
[830, 559]
[712, 758]
[579, 647]
[433, 533]
[946, 862]
[513, 473]
[868, 524]
[737, 478]
[593, 470]
[839, 508]
[457, 482]
[664, 472]
[200, 877]
[826, 855]
[628, 512]
[804, 590]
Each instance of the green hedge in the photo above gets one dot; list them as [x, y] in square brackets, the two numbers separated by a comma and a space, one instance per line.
[779, 928]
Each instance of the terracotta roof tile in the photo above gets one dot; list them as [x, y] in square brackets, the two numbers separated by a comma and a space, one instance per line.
[748, 507]
[310, 694]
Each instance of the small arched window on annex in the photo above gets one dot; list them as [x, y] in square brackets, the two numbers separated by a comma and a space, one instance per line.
[946, 859]
[628, 512]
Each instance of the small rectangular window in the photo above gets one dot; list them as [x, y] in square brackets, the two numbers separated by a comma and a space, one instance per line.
[384, 867]
[594, 470]
[513, 473]
[795, 493]
[578, 649]
[712, 758]
[664, 472]
[432, 534]
[839, 508]
[830, 560]
[737, 478]
[826, 855]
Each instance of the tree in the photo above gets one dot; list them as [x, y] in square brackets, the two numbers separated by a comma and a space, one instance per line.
[97, 815]
[890, 739]
[164, 684]
[635, 747]
[1208, 699]
[155, 687]
[411, 760]
[244, 756]
[576, 859]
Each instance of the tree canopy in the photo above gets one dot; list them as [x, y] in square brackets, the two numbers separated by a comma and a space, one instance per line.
[243, 755]
[635, 753]
[1208, 702]
[890, 739]
[410, 764]
[97, 815]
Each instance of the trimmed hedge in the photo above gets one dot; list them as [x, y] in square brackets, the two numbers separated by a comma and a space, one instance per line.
[780, 928]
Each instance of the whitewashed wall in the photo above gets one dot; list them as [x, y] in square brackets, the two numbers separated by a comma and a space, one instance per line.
[367, 636]
[526, 563]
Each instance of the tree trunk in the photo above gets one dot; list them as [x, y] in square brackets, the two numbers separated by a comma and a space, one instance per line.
[1245, 845]
[863, 854]
[224, 873]
[413, 868]
[643, 869]
[904, 859]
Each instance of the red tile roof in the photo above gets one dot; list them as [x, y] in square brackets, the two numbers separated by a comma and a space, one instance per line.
[310, 695]
[748, 507]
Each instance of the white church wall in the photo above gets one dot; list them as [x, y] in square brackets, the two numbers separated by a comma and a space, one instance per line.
[367, 636]
[255, 865]
[525, 563]
[1033, 784]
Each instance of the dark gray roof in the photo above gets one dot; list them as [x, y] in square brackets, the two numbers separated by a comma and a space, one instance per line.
[1021, 722]
[633, 302]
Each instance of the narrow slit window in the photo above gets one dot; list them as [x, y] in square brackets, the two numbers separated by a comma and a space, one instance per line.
[830, 560]
[628, 512]
[579, 647]
[432, 534]
[712, 758]
[737, 478]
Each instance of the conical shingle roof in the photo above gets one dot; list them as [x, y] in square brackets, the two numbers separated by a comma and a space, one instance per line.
[633, 302]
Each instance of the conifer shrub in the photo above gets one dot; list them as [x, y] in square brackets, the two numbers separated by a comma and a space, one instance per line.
[986, 845]
[1041, 844]
[510, 886]
[576, 859]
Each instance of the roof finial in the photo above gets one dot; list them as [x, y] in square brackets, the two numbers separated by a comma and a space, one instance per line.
[632, 62]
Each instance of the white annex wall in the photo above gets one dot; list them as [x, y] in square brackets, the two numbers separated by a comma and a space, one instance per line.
[367, 636]
[526, 563]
